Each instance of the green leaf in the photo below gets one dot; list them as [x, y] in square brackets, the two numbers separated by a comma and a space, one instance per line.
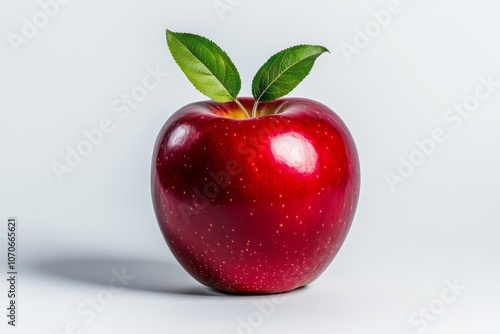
[284, 71]
[206, 65]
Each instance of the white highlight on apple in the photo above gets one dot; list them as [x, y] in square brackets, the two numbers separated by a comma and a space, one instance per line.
[30, 28]
[371, 30]
[180, 135]
[295, 151]
[454, 118]
[224, 6]
[421, 319]
[92, 306]
[94, 137]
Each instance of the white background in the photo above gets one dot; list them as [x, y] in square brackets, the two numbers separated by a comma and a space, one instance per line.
[440, 225]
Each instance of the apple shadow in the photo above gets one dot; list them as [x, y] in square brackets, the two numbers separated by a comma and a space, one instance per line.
[148, 276]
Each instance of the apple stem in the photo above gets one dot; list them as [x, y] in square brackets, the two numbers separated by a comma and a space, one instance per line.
[254, 110]
[242, 108]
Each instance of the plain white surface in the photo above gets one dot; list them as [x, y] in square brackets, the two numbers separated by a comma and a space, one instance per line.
[440, 225]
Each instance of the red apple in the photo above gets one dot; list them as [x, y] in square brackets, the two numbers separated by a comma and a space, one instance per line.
[255, 205]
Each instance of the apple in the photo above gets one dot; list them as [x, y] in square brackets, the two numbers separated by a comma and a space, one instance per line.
[255, 205]
[253, 195]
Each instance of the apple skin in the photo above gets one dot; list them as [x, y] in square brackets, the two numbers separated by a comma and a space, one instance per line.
[258, 205]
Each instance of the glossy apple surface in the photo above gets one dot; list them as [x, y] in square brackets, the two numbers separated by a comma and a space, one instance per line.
[258, 205]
